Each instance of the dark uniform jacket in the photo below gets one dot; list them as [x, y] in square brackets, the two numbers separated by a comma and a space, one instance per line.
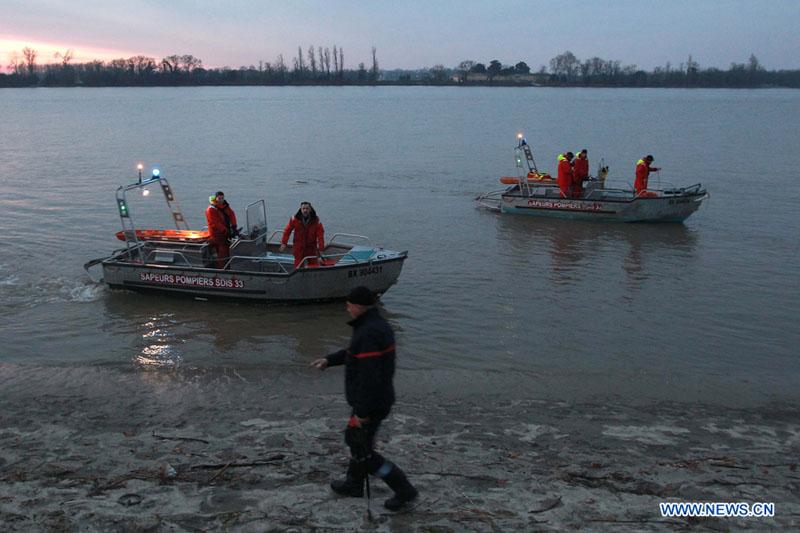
[369, 366]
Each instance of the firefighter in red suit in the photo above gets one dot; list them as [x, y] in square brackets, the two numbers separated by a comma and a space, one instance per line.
[565, 173]
[309, 235]
[643, 170]
[221, 226]
[580, 172]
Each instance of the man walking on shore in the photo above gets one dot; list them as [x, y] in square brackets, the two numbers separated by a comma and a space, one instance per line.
[369, 371]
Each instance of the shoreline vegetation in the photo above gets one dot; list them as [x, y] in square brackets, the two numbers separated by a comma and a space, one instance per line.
[323, 67]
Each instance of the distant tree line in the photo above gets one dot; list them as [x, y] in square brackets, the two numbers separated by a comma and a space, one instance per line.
[325, 66]
[568, 70]
[320, 65]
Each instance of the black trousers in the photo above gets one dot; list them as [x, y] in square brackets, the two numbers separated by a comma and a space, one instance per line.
[364, 460]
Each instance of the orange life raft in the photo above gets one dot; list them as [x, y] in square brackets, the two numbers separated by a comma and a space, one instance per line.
[169, 235]
[532, 178]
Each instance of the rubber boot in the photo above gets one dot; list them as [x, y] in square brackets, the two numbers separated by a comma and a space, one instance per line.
[352, 485]
[404, 491]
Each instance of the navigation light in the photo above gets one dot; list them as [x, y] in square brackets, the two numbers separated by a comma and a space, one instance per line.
[145, 192]
[156, 172]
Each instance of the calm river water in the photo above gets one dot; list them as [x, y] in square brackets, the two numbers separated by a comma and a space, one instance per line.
[490, 304]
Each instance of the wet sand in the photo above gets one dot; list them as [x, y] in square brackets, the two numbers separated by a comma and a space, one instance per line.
[111, 452]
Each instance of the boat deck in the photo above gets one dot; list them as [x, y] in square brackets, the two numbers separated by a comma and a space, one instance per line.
[246, 256]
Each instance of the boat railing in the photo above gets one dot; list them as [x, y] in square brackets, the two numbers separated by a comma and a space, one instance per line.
[161, 256]
[331, 240]
[617, 185]
[276, 232]
[490, 200]
[131, 248]
[254, 259]
[626, 190]
[682, 191]
[351, 235]
[255, 238]
[336, 258]
[280, 264]
[609, 188]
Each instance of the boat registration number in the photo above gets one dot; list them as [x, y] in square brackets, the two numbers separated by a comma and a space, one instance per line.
[366, 271]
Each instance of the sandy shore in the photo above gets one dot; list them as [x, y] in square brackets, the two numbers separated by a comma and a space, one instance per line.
[173, 455]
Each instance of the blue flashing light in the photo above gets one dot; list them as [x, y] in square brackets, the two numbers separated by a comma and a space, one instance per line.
[156, 172]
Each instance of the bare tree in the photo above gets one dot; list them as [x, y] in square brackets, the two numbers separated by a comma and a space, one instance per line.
[327, 56]
[66, 57]
[341, 62]
[374, 72]
[189, 63]
[119, 65]
[171, 63]
[321, 61]
[141, 64]
[299, 64]
[312, 61]
[280, 66]
[335, 60]
[592, 67]
[30, 59]
[566, 65]
[691, 66]
[16, 64]
[464, 68]
[94, 66]
[753, 64]
[438, 74]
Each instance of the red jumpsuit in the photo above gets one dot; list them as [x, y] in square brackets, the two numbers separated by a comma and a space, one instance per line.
[309, 238]
[564, 175]
[580, 172]
[643, 169]
[220, 221]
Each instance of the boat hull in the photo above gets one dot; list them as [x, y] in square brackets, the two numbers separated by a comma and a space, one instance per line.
[674, 207]
[301, 285]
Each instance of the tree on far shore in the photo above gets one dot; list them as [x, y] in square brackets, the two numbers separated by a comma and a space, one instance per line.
[373, 73]
[30, 59]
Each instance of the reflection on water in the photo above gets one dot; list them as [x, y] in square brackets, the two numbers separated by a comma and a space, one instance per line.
[185, 331]
[161, 352]
[569, 252]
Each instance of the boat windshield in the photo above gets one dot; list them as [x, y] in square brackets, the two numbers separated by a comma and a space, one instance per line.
[256, 219]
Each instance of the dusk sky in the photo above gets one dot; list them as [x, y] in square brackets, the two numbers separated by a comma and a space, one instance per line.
[409, 33]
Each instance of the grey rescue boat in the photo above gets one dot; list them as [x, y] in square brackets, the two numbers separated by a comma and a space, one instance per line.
[181, 262]
[532, 193]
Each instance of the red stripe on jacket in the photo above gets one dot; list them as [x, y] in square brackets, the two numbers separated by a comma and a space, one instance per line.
[373, 354]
